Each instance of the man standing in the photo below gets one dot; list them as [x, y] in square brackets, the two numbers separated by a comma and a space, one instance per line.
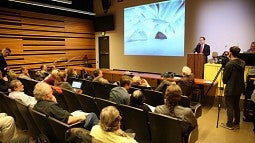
[202, 48]
[3, 65]
[233, 77]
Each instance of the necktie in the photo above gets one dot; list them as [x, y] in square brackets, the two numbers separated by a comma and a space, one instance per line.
[201, 48]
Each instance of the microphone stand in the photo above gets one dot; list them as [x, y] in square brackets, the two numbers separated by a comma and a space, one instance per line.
[220, 93]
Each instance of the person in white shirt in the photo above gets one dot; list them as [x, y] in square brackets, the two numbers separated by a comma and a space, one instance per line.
[17, 93]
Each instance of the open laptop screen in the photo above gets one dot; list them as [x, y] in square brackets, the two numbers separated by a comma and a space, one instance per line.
[76, 84]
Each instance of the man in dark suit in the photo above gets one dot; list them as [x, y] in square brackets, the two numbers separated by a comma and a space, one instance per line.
[202, 48]
[3, 65]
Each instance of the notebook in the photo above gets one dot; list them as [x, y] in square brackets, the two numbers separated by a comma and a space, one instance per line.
[76, 84]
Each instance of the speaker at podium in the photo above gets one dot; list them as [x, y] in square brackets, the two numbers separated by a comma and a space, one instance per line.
[196, 63]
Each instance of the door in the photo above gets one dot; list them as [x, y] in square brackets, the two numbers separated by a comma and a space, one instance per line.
[103, 52]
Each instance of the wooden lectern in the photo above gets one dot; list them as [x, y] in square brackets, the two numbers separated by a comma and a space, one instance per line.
[196, 63]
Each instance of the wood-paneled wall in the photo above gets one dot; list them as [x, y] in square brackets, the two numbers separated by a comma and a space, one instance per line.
[37, 38]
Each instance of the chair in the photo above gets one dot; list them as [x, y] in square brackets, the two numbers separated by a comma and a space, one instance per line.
[79, 135]
[136, 119]
[153, 98]
[165, 129]
[185, 101]
[71, 100]
[60, 128]
[29, 86]
[32, 73]
[101, 103]
[43, 124]
[88, 103]
[132, 89]
[58, 93]
[102, 90]
[196, 108]
[11, 103]
[3, 106]
[31, 125]
[87, 88]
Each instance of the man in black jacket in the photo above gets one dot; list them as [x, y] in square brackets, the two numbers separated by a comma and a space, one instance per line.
[202, 48]
[233, 77]
[3, 65]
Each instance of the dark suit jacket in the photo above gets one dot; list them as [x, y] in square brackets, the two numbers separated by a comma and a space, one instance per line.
[3, 64]
[206, 50]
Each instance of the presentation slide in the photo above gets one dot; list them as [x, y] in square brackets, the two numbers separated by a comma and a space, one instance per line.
[155, 29]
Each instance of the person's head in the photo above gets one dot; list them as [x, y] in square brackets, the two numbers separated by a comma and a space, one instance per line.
[43, 67]
[43, 91]
[172, 96]
[54, 73]
[202, 40]
[225, 53]
[186, 71]
[253, 46]
[61, 77]
[136, 79]
[125, 81]
[16, 85]
[69, 71]
[24, 70]
[6, 52]
[110, 119]
[234, 51]
[12, 75]
[137, 98]
[97, 73]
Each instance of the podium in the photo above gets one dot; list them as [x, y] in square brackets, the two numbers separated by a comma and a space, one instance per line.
[196, 63]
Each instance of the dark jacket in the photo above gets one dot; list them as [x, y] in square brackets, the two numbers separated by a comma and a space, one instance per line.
[206, 49]
[233, 77]
[3, 64]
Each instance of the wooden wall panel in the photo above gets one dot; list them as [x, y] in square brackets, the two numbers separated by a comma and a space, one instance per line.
[37, 38]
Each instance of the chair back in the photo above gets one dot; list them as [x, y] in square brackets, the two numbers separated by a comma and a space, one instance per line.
[153, 98]
[101, 103]
[101, 90]
[41, 120]
[135, 119]
[32, 73]
[71, 100]
[58, 93]
[31, 125]
[11, 103]
[3, 106]
[165, 129]
[88, 103]
[132, 89]
[87, 87]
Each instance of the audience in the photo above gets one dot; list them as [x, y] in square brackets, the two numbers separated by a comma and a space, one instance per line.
[46, 103]
[52, 77]
[120, 94]
[17, 93]
[8, 131]
[42, 73]
[108, 130]
[252, 48]
[4, 83]
[24, 73]
[61, 82]
[98, 77]
[137, 100]
[138, 81]
[71, 73]
[171, 107]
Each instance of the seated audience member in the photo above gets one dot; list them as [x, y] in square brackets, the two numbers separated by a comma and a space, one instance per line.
[42, 73]
[24, 73]
[253, 106]
[71, 73]
[171, 107]
[120, 94]
[4, 83]
[252, 48]
[11, 75]
[186, 82]
[137, 81]
[137, 100]
[47, 104]
[98, 77]
[8, 131]
[52, 77]
[17, 93]
[61, 82]
[108, 130]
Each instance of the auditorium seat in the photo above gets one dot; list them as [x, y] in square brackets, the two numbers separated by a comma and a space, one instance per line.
[132, 89]
[166, 129]
[43, 124]
[135, 119]
[71, 100]
[29, 85]
[153, 98]
[101, 103]
[31, 125]
[58, 93]
[88, 103]
[102, 90]
[87, 88]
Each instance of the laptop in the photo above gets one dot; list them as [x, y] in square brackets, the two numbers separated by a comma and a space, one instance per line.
[76, 84]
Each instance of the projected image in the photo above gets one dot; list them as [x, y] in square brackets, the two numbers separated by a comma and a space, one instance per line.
[155, 29]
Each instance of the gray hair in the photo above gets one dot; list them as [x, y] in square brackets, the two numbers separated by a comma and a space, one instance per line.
[13, 84]
[42, 90]
[186, 71]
